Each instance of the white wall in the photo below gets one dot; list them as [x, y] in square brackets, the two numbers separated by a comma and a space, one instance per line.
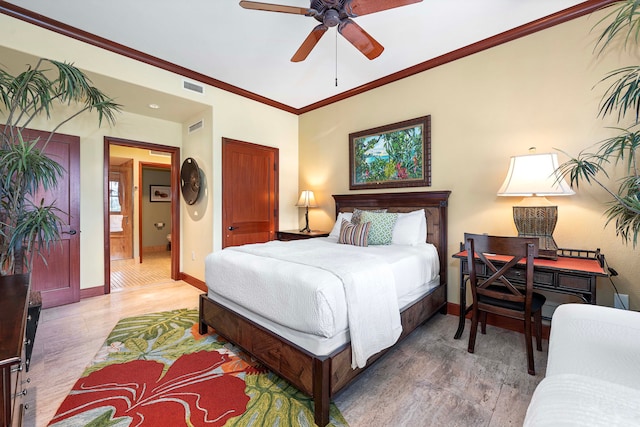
[226, 115]
[485, 108]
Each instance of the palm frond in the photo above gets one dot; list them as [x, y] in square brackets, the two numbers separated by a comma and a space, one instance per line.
[623, 94]
[27, 167]
[622, 22]
[24, 167]
[627, 219]
[583, 168]
[38, 228]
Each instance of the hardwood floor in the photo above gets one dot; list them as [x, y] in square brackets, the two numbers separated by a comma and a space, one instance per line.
[428, 380]
[154, 268]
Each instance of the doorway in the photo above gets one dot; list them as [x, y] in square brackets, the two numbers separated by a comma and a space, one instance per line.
[249, 199]
[140, 266]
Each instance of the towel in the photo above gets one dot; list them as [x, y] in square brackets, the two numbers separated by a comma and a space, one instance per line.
[115, 223]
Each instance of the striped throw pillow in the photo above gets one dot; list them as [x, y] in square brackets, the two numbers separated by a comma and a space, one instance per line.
[356, 235]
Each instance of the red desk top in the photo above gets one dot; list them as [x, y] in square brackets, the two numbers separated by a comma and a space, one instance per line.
[586, 265]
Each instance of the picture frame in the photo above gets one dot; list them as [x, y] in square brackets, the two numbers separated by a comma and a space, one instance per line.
[159, 193]
[392, 156]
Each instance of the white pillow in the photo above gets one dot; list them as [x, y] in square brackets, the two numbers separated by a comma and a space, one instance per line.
[335, 231]
[410, 228]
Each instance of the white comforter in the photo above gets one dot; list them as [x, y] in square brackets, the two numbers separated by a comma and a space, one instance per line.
[364, 275]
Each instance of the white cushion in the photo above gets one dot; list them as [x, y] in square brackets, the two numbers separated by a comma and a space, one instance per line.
[410, 228]
[600, 342]
[579, 400]
[335, 231]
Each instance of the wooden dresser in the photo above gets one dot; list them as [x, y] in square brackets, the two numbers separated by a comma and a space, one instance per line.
[14, 311]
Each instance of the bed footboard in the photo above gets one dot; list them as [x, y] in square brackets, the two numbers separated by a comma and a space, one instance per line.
[320, 377]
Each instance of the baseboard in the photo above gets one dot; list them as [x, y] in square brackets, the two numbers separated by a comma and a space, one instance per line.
[196, 283]
[91, 292]
[500, 321]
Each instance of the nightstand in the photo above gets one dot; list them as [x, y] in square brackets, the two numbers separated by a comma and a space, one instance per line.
[286, 235]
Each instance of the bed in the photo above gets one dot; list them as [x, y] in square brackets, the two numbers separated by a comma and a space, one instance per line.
[322, 371]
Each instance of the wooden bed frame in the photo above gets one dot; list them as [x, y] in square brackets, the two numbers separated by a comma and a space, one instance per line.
[321, 377]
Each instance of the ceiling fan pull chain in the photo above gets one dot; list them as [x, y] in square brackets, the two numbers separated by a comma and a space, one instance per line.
[336, 58]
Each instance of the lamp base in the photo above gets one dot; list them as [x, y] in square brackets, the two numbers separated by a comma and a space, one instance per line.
[538, 221]
[306, 228]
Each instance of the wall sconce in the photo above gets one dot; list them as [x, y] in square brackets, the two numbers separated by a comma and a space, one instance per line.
[307, 200]
[159, 225]
[534, 177]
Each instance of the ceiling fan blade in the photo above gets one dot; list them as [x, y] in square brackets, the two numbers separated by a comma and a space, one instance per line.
[363, 7]
[360, 39]
[309, 43]
[254, 5]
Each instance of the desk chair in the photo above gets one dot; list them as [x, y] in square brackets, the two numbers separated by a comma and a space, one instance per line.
[497, 294]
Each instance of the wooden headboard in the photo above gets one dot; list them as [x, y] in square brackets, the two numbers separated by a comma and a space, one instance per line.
[434, 204]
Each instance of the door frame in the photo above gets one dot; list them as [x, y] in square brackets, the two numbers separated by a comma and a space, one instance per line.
[130, 203]
[175, 202]
[141, 167]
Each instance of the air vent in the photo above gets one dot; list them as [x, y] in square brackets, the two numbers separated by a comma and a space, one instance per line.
[159, 153]
[196, 126]
[193, 87]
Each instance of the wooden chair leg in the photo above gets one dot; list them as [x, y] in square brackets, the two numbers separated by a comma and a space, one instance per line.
[474, 330]
[483, 320]
[537, 318]
[527, 335]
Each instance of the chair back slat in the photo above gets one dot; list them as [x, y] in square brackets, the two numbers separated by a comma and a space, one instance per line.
[501, 290]
[478, 246]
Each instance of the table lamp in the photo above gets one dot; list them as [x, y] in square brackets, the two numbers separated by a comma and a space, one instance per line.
[307, 200]
[534, 177]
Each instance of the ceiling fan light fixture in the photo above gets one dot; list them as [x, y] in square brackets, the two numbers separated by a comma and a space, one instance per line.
[331, 18]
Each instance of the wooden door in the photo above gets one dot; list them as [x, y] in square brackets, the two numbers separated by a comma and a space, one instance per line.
[121, 210]
[249, 192]
[59, 279]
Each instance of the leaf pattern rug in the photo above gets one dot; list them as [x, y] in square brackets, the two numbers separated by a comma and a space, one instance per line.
[157, 370]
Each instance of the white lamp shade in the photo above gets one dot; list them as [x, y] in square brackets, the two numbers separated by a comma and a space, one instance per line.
[307, 199]
[534, 175]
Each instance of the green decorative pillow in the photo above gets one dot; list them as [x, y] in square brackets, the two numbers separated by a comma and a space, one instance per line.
[381, 232]
[357, 213]
[356, 235]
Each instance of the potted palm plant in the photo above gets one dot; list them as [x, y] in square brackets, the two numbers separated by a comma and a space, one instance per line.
[618, 154]
[29, 227]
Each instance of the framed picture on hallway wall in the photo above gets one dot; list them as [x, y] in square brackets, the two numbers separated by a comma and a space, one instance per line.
[159, 193]
[391, 156]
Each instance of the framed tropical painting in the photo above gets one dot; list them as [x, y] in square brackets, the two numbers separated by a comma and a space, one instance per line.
[395, 155]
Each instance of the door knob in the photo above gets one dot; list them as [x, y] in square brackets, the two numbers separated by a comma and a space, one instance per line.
[70, 232]
[231, 228]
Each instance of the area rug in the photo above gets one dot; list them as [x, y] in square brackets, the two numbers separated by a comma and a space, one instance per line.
[157, 370]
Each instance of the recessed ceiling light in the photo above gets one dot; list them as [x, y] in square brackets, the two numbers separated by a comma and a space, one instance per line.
[154, 106]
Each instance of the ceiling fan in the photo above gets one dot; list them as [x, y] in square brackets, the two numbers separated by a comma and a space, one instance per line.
[331, 13]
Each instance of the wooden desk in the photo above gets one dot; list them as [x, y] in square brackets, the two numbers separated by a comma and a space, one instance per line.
[574, 273]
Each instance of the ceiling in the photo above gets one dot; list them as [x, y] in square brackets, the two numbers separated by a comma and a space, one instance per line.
[251, 50]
